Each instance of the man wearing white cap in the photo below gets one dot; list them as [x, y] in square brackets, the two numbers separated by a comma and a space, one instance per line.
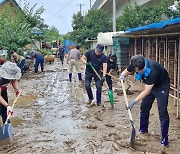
[9, 73]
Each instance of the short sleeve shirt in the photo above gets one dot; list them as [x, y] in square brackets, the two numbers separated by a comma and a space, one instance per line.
[158, 75]
[4, 82]
[61, 51]
[96, 61]
[110, 65]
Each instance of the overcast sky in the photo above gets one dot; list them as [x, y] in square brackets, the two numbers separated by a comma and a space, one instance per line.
[59, 12]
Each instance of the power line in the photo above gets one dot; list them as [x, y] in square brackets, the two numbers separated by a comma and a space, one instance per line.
[60, 10]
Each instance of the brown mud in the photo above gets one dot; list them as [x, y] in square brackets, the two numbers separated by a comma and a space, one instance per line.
[51, 116]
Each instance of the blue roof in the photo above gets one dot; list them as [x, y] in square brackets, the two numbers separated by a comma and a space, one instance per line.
[156, 25]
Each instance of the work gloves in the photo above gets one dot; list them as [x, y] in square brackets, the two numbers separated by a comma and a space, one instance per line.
[130, 106]
[17, 92]
[103, 78]
[88, 63]
[9, 110]
[121, 77]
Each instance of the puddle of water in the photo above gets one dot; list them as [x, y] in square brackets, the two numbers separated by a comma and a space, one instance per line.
[65, 112]
[41, 101]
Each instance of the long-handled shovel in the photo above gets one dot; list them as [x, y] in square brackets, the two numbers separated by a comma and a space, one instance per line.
[110, 94]
[133, 132]
[6, 129]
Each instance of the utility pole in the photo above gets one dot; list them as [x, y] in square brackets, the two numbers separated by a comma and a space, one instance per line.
[90, 3]
[114, 15]
[80, 7]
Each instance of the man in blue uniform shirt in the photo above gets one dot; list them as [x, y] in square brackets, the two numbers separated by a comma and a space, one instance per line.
[157, 85]
[98, 60]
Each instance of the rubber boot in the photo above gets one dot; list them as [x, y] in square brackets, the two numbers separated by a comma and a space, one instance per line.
[70, 77]
[98, 97]
[144, 122]
[164, 132]
[80, 76]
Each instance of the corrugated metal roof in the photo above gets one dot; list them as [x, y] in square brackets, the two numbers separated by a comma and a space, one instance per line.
[155, 26]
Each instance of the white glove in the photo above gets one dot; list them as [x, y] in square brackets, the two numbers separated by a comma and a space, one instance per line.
[9, 110]
[121, 77]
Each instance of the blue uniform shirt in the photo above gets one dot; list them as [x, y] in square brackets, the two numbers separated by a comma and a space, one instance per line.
[158, 76]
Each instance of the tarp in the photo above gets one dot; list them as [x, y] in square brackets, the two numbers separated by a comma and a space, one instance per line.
[67, 44]
[106, 38]
[157, 25]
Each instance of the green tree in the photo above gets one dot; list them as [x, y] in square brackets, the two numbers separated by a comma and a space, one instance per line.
[51, 34]
[88, 26]
[33, 15]
[14, 30]
[140, 16]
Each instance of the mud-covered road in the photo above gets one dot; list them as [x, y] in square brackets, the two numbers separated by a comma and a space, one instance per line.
[51, 117]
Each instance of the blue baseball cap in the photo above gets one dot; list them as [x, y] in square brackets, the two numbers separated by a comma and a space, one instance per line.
[100, 47]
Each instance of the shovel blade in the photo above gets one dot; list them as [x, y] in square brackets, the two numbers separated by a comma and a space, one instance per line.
[6, 133]
[133, 135]
[111, 97]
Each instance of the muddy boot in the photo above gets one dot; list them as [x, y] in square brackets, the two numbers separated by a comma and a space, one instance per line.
[70, 77]
[164, 133]
[80, 76]
[98, 97]
[90, 103]
[144, 122]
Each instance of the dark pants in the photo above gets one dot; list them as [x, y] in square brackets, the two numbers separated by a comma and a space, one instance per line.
[3, 109]
[88, 79]
[62, 59]
[39, 60]
[161, 94]
[21, 65]
[109, 81]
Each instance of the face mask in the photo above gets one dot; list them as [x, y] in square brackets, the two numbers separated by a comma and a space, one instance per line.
[146, 73]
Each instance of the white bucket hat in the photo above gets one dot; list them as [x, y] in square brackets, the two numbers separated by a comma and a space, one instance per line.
[10, 71]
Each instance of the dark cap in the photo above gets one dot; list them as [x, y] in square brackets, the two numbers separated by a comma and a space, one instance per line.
[100, 47]
[113, 56]
[77, 46]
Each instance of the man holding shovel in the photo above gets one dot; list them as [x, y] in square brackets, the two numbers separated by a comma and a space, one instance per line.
[9, 73]
[157, 85]
[98, 60]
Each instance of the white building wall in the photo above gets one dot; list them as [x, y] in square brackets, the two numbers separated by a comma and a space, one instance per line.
[120, 8]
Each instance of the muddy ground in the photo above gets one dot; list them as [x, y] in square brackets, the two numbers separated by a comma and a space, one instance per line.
[51, 116]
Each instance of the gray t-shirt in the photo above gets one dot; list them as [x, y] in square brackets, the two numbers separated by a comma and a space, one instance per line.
[74, 54]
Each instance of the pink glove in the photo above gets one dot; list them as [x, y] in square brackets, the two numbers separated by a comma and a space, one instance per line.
[9, 110]
[17, 92]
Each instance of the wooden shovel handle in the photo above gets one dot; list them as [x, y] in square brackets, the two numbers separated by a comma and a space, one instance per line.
[15, 100]
[105, 83]
[126, 100]
[111, 75]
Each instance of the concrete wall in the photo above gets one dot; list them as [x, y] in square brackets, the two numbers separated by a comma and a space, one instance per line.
[121, 4]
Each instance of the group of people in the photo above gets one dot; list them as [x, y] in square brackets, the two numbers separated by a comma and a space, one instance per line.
[155, 77]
